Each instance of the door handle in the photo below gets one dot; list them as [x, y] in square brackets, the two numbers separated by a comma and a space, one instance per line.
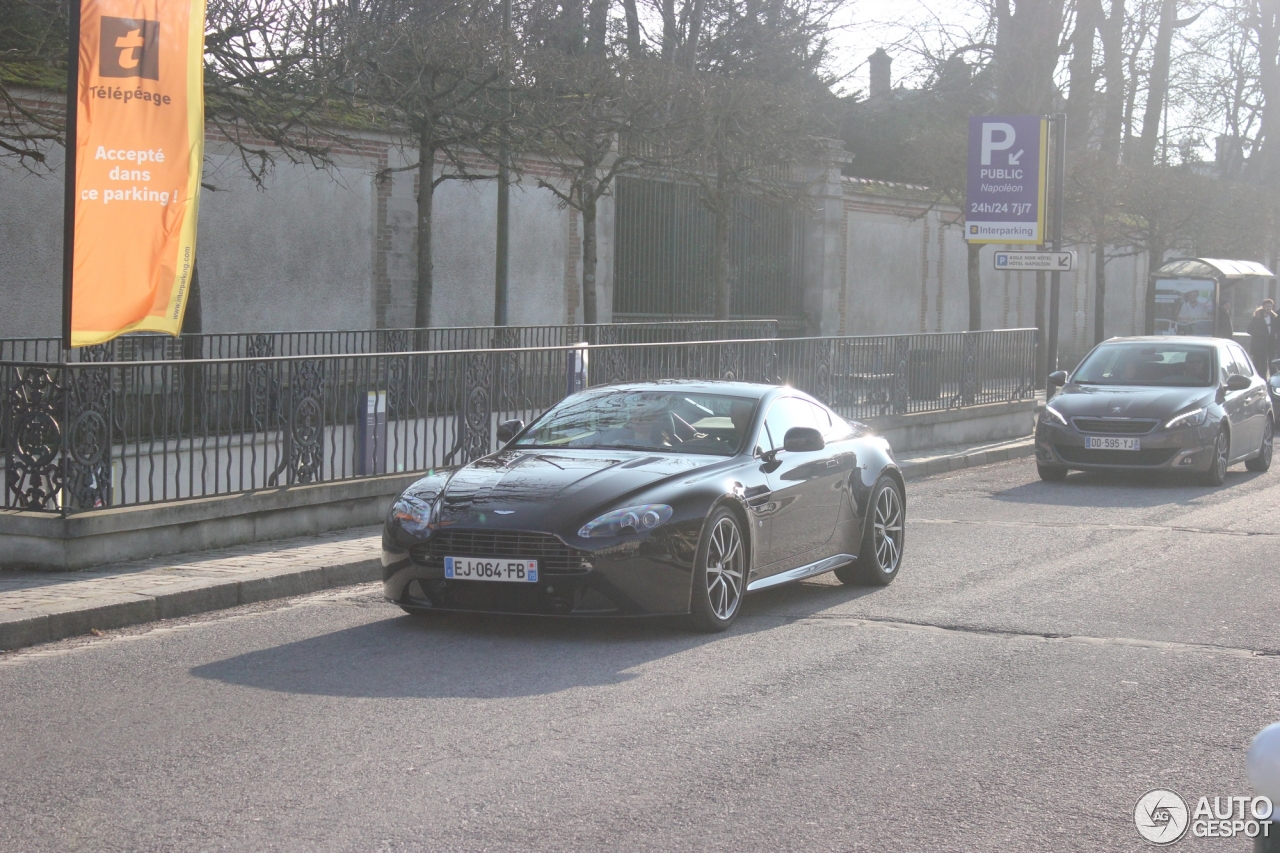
[831, 463]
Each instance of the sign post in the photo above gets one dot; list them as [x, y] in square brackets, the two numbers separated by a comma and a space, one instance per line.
[135, 150]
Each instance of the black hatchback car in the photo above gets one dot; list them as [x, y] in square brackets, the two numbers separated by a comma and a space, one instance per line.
[1168, 403]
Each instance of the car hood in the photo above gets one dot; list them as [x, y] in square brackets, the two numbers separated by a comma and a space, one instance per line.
[547, 489]
[1120, 401]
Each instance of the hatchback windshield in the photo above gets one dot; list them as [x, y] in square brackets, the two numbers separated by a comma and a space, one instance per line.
[1180, 365]
[666, 421]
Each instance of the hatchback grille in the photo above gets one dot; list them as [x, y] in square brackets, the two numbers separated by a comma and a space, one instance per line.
[553, 556]
[1115, 426]
[1085, 456]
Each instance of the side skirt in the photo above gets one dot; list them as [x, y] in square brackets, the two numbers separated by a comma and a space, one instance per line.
[801, 572]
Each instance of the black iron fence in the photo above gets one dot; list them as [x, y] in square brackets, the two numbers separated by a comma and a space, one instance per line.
[349, 342]
[97, 434]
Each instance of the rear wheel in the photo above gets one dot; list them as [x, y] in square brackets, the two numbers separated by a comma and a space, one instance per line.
[880, 556]
[719, 575]
[1217, 473]
[1262, 461]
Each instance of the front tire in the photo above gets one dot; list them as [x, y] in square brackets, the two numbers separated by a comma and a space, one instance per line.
[1262, 461]
[1051, 473]
[719, 574]
[880, 556]
[1217, 473]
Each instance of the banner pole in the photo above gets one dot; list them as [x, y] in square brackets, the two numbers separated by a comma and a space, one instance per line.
[69, 185]
[1059, 123]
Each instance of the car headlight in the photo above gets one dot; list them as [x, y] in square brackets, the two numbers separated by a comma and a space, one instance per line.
[1195, 417]
[413, 514]
[633, 519]
[1053, 416]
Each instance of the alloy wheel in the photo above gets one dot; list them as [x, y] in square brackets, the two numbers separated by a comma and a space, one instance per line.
[725, 568]
[1268, 440]
[888, 530]
[1220, 455]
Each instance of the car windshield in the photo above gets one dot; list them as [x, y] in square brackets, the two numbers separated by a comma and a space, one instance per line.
[1178, 365]
[665, 421]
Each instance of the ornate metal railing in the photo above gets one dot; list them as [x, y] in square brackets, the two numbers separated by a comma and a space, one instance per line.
[350, 342]
[85, 435]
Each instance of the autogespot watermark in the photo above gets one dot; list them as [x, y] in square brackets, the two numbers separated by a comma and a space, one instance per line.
[1163, 817]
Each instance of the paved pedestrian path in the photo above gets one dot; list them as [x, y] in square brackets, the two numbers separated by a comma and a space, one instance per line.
[39, 607]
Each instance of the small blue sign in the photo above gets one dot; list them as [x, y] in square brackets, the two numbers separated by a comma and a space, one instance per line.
[1005, 198]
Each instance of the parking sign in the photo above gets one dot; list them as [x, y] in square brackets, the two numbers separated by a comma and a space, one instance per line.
[1005, 198]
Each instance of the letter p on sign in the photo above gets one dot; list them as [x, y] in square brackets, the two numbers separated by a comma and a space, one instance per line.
[989, 141]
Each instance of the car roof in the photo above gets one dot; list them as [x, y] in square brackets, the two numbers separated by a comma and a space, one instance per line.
[1203, 340]
[754, 390]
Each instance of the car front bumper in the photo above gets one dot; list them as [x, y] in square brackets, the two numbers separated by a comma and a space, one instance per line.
[1182, 449]
[646, 576]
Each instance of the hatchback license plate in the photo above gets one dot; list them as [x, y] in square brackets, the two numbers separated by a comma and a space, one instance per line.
[1094, 442]
[495, 569]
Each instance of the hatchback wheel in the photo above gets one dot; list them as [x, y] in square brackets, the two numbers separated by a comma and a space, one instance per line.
[1217, 473]
[1262, 461]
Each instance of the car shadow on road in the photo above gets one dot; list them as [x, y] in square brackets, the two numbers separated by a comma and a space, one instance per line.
[448, 655]
[1121, 489]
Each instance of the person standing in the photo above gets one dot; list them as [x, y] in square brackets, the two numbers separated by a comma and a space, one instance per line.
[1262, 336]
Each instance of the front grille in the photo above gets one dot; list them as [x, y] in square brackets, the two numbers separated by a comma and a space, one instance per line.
[1115, 426]
[553, 556]
[1084, 456]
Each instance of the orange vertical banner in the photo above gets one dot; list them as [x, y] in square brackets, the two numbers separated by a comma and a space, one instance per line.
[139, 148]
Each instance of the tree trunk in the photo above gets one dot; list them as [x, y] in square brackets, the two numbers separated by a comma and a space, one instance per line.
[634, 47]
[670, 32]
[1111, 30]
[426, 193]
[1100, 290]
[720, 263]
[695, 34]
[1042, 325]
[1082, 75]
[1158, 88]
[589, 258]
[597, 26]
[975, 287]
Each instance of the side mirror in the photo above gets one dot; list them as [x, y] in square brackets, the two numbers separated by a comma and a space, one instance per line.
[802, 440]
[508, 430]
[1236, 382]
[1058, 378]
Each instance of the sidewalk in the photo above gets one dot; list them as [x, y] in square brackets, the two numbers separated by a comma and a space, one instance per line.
[39, 607]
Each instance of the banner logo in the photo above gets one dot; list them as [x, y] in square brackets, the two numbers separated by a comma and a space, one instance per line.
[129, 47]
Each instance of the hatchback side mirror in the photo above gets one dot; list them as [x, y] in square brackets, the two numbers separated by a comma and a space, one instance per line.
[1236, 382]
[1058, 378]
[802, 440]
[508, 430]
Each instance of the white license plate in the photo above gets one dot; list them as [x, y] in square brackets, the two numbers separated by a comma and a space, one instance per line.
[493, 569]
[1097, 442]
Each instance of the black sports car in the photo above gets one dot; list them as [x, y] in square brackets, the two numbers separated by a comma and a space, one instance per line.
[651, 498]
[1167, 403]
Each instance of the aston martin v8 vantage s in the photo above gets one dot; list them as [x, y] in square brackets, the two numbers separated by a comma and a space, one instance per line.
[1165, 403]
[674, 497]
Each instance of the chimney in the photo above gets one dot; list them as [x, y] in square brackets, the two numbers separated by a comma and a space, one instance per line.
[879, 63]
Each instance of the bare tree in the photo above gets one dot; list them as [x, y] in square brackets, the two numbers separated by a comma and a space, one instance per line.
[439, 73]
[33, 43]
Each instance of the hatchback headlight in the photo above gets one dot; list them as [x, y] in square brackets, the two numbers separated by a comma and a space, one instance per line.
[1195, 417]
[413, 514]
[1054, 416]
[633, 519]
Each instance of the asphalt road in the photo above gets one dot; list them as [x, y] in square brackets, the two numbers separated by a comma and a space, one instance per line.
[1049, 653]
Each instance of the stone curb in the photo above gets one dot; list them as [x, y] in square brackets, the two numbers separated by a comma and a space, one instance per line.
[183, 598]
[914, 470]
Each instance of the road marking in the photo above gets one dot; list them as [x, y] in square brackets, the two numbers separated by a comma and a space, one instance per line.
[1060, 525]
[1033, 636]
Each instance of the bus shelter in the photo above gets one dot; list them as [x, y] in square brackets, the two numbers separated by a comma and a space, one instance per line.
[1208, 296]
